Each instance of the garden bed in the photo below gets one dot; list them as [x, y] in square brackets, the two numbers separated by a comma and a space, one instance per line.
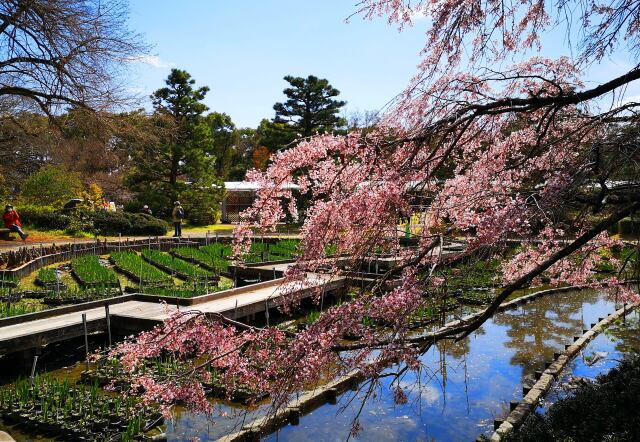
[48, 278]
[181, 269]
[88, 271]
[67, 412]
[138, 270]
[202, 258]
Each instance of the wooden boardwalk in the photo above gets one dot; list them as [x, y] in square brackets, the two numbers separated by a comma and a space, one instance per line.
[135, 314]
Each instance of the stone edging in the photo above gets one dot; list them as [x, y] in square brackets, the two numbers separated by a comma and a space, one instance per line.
[546, 378]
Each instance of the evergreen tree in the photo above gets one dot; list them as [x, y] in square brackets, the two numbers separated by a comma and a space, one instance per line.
[311, 106]
[183, 157]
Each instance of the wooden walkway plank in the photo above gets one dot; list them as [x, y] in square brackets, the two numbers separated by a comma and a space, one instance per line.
[57, 328]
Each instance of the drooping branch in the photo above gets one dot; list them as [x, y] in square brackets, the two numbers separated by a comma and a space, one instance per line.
[540, 268]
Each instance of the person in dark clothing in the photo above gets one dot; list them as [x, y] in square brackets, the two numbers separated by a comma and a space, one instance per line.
[177, 216]
[11, 220]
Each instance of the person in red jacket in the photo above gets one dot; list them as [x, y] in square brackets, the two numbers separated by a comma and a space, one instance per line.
[12, 221]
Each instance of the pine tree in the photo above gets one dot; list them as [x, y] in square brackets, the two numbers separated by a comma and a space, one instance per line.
[311, 106]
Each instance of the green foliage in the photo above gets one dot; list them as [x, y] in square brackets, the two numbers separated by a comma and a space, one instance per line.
[604, 410]
[183, 291]
[113, 223]
[217, 250]
[47, 276]
[7, 309]
[201, 203]
[275, 135]
[176, 265]
[184, 152]
[223, 132]
[101, 222]
[142, 272]
[74, 411]
[52, 186]
[89, 270]
[207, 257]
[311, 106]
[42, 217]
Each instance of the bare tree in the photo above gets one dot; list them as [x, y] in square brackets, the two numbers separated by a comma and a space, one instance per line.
[60, 53]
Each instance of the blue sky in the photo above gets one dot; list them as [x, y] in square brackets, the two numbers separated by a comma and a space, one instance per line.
[242, 49]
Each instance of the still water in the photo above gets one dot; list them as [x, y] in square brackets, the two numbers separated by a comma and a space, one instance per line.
[463, 386]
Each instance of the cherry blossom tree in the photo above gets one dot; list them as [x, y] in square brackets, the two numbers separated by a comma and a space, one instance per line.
[505, 143]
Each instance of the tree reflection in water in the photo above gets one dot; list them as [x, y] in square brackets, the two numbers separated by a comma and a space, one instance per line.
[540, 328]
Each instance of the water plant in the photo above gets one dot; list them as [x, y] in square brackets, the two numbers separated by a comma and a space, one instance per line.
[58, 408]
[180, 268]
[19, 308]
[8, 280]
[47, 277]
[218, 250]
[77, 295]
[206, 257]
[131, 264]
[184, 291]
[90, 272]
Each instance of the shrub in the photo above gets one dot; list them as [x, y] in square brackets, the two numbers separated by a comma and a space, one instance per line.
[201, 205]
[603, 410]
[51, 185]
[42, 217]
[100, 222]
[112, 223]
[142, 224]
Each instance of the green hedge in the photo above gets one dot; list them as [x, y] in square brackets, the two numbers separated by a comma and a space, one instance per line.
[99, 222]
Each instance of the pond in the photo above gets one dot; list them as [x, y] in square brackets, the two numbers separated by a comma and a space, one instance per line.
[463, 387]
[467, 386]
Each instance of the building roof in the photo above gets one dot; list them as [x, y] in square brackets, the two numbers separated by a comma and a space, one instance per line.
[244, 186]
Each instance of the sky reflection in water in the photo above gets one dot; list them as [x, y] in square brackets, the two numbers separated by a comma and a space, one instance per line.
[468, 384]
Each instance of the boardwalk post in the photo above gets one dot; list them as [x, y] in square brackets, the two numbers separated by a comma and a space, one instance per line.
[33, 370]
[274, 273]
[266, 310]
[322, 299]
[86, 340]
[106, 312]
[235, 310]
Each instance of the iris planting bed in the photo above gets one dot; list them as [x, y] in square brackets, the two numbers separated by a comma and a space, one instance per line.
[136, 268]
[8, 281]
[75, 296]
[69, 412]
[177, 267]
[11, 309]
[210, 261]
[183, 291]
[110, 372]
[223, 251]
[90, 273]
[260, 252]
